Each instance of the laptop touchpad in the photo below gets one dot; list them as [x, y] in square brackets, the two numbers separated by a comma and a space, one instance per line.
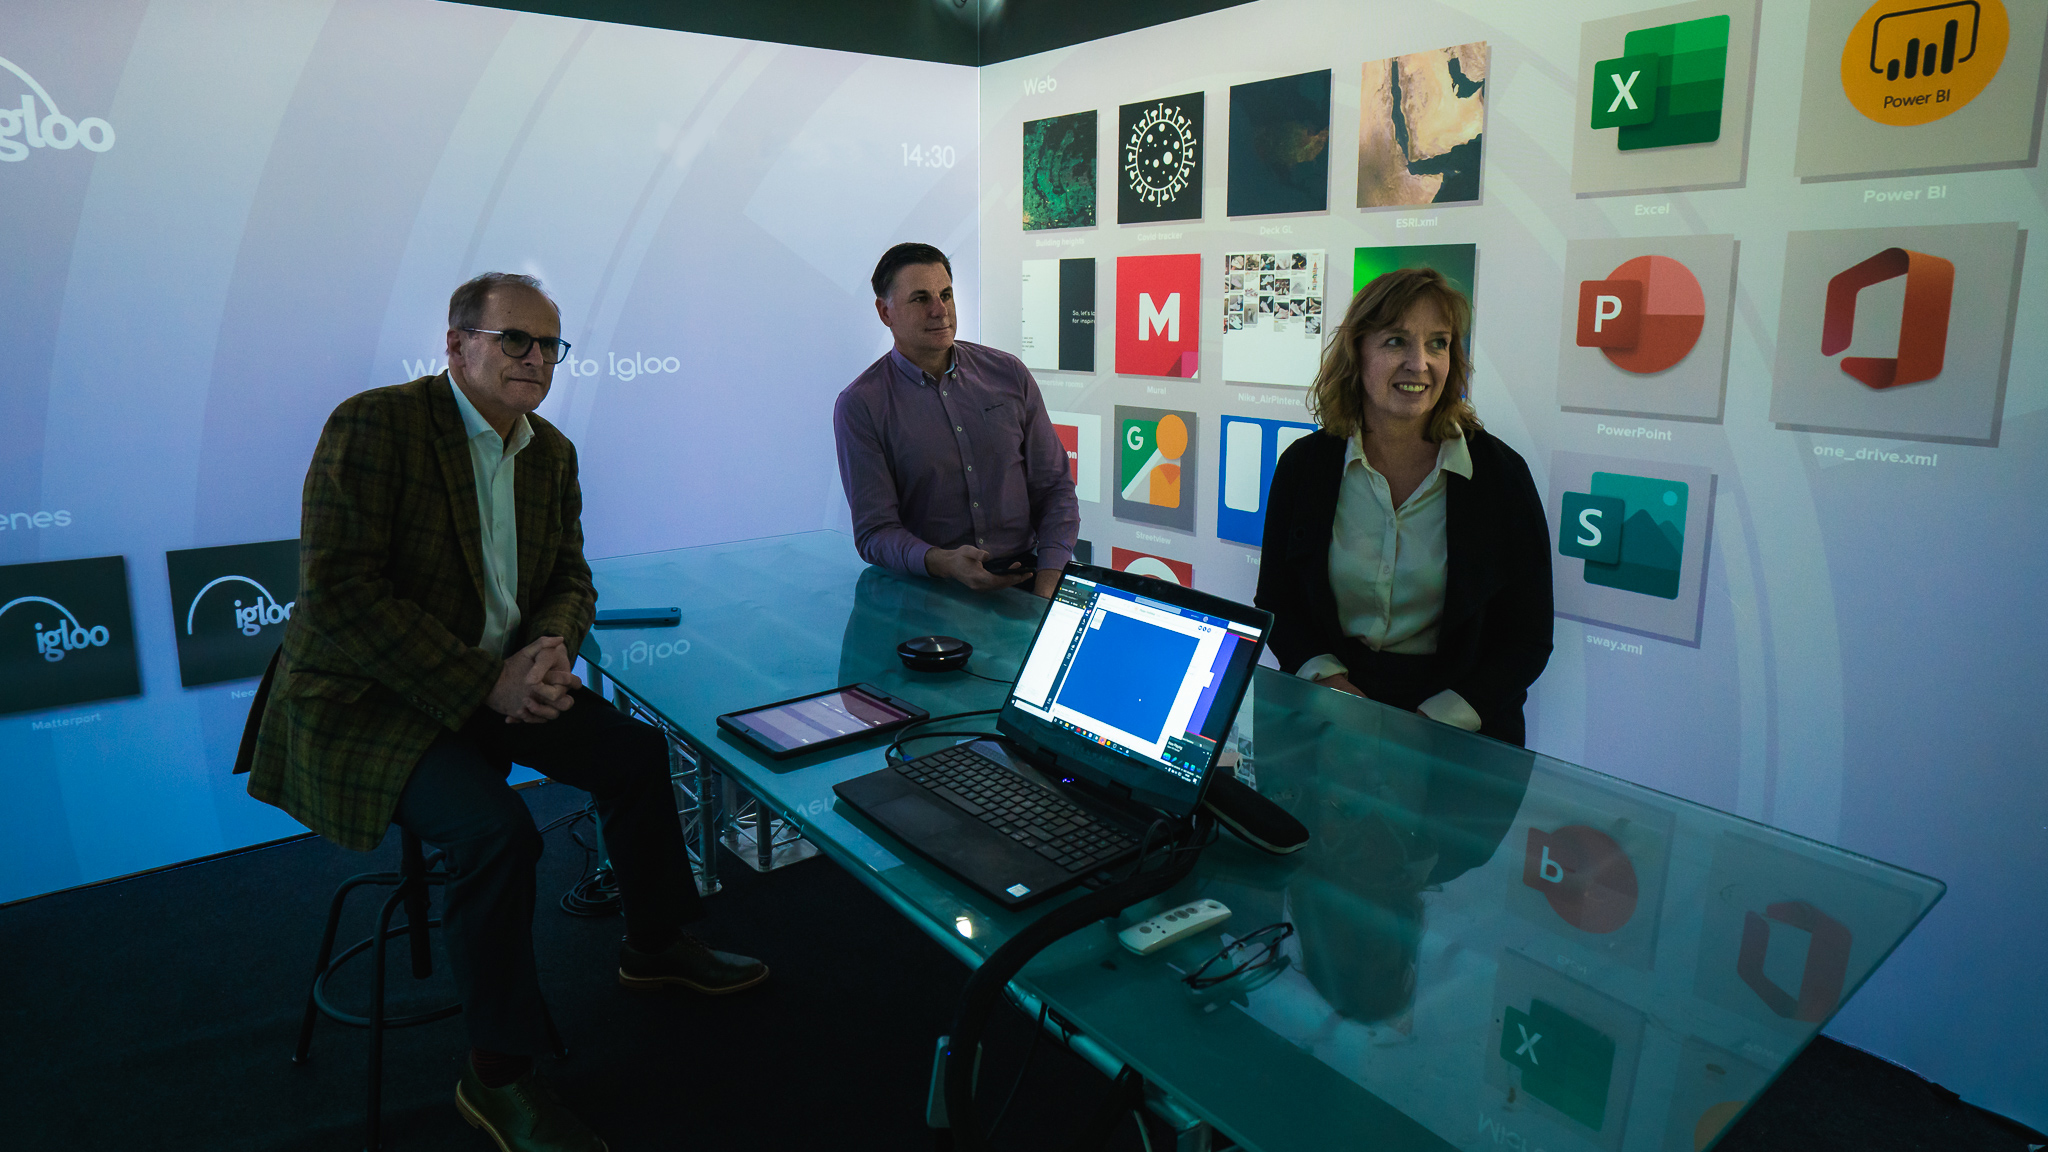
[915, 817]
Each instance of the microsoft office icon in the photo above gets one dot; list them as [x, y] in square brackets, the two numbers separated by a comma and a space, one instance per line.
[1667, 87]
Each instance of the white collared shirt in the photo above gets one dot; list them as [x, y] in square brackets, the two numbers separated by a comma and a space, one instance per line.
[1388, 567]
[497, 517]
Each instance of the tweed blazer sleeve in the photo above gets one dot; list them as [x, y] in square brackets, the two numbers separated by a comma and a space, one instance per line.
[351, 515]
[382, 654]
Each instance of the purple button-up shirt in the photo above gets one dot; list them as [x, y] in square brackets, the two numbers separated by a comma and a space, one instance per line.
[967, 458]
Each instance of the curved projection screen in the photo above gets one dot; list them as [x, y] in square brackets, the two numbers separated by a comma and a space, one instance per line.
[1750, 283]
[272, 218]
[1763, 329]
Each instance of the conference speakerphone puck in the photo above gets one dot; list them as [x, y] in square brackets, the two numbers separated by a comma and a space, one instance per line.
[934, 653]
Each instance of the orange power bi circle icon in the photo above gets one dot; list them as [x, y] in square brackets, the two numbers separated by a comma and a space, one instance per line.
[1911, 62]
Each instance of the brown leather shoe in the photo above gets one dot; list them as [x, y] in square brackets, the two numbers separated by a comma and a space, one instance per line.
[523, 1116]
[689, 963]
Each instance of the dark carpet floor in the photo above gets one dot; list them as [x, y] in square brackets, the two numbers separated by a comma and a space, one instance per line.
[160, 1012]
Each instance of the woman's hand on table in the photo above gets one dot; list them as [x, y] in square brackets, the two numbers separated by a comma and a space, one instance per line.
[1340, 682]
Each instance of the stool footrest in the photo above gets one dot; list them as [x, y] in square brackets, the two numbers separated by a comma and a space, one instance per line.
[410, 887]
[328, 1009]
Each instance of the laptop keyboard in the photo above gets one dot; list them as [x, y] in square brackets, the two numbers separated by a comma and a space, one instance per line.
[1033, 816]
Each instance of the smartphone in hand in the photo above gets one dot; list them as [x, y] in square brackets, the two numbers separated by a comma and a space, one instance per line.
[1000, 565]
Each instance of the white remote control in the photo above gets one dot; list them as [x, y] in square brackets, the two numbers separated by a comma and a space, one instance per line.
[1150, 936]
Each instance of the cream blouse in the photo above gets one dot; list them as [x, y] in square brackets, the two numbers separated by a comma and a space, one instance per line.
[1388, 565]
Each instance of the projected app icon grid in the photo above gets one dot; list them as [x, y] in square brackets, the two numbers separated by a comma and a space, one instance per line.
[1059, 172]
[1630, 531]
[66, 634]
[1146, 564]
[1156, 467]
[1058, 332]
[1273, 317]
[1712, 1088]
[1787, 937]
[1630, 543]
[1280, 145]
[1421, 127]
[1459, 264]
[1159, 315]
[1923, 319]
[1080, 433]
[1918, 86]
[1667, 88]
[1593, 867]
[1159, 162]
[1952, 50]
[1251, 449]
[1902, 333]
[1569, 1050]
[1645, 317]
[1663, 99]
[1645, 329]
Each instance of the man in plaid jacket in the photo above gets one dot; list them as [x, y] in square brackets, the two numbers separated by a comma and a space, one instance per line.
[443, 596]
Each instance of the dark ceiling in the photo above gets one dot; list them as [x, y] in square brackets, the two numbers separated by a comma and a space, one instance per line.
[972, 32]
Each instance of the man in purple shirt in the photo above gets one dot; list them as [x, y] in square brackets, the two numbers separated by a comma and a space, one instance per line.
[945, 449]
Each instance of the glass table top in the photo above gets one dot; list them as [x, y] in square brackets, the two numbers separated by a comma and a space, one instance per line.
[1490, 947]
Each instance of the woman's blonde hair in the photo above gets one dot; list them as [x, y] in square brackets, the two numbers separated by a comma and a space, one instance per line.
[1337, 398]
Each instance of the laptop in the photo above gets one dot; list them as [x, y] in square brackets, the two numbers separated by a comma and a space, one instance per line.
[1115, 722]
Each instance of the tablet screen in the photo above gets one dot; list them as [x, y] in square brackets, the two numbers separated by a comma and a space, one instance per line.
[814, 720]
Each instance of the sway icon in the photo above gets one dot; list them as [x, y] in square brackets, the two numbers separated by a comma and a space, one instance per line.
[1630, 531]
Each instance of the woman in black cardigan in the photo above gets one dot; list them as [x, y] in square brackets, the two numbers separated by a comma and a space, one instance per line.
[1407, 556]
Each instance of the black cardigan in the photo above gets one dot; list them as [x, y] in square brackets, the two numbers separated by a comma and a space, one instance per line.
[1494, 636]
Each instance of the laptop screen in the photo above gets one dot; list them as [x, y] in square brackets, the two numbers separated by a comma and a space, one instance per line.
[1152, 686]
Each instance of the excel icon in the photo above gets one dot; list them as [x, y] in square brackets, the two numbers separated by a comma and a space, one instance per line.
[1666, 89]
[1565, 1062]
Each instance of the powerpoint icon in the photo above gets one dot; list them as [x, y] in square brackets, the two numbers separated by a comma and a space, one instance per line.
[1923, 325]
[1645, 317]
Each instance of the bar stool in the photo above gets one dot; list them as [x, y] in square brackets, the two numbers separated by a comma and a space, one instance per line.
[418, 871]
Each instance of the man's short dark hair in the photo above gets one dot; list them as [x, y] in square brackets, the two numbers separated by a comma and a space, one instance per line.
[903, 256]
[466, 306]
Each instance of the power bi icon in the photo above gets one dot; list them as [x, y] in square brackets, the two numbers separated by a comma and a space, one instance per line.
[1667, 88]
[1913, 62]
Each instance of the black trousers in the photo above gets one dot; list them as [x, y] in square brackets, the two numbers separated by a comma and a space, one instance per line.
[457, 800]
[1405, 681]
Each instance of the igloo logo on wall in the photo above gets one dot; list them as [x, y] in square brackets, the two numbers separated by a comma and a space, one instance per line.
[31, 120]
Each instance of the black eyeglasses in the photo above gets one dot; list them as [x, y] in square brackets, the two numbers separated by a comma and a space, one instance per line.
[515, 343]
[1248, 953]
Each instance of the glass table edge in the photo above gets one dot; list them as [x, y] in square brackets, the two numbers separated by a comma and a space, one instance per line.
[932, 927]
[1267, 674]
